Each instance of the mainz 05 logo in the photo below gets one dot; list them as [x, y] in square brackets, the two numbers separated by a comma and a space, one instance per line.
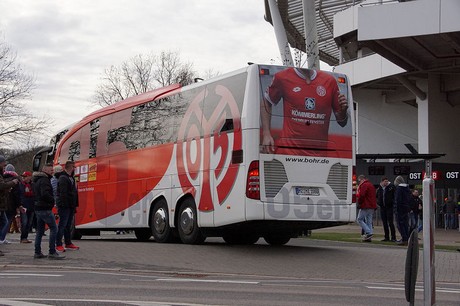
[204, 153]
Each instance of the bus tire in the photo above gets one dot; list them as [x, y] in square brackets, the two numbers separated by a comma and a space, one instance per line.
[274, 239]
[189, 232]
[143, 234]
[159, 222]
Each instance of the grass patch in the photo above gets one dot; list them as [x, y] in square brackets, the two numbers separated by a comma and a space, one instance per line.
[355, 237]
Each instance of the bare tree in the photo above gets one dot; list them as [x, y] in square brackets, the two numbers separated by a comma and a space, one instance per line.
[17, 124]
[140, 74]
[21, 159]
[210, 73]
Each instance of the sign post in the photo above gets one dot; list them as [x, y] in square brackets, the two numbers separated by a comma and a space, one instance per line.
[429, 284]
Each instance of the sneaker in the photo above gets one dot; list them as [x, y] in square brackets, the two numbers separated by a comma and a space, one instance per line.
[72, 247]
[55, 256]
[369, 236]
[4, 242]
[60, 249]
[26, 241]
[39, 255]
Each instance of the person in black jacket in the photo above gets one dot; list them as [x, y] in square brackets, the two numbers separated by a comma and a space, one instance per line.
[402, 200]
[414, 213]
[44, 203]
[5, 188]
[13, 203]
[67, 202]
[385, 198]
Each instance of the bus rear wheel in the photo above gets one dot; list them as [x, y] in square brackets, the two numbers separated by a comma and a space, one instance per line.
[159, 222]
[189, 232]
[274, 239]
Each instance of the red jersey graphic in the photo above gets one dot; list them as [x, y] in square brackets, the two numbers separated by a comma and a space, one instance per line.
[307, 106]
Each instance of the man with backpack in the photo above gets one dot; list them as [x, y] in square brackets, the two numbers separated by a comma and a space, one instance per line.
[403, 198]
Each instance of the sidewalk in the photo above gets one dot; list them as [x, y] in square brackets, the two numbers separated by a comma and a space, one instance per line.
[441, 236]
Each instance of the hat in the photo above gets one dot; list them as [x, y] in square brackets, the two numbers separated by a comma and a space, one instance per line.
[57, 168]
[2, 159]
[26, 174]
[10, 167]
[399, 180]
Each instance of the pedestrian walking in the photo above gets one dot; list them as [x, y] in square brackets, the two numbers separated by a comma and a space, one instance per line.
[44, 203]
[367, 204]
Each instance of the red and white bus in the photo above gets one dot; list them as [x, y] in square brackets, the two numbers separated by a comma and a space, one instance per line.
[265, 151]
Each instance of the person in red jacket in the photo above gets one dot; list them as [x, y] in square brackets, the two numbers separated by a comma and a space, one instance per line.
[367, 203]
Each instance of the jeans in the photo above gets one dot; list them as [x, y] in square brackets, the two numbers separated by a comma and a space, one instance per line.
[26, 223]
[449, 220]
[66, 215]
[9, 215]
[45, 217]
[3, 225]
[365, 220]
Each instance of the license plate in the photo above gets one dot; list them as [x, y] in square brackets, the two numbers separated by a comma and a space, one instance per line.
[307, 191]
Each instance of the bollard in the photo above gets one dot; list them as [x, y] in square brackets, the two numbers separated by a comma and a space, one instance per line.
[410, 277]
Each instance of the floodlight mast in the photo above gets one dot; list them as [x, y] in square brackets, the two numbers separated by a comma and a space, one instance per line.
[311, 34]
[280, 34]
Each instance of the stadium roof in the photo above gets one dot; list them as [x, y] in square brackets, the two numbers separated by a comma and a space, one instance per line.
[292, 16]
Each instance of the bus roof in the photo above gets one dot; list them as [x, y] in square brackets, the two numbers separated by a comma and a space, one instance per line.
[132, 101]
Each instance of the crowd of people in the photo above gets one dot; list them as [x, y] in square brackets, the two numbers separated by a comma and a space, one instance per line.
[37, 200]
[396, 202]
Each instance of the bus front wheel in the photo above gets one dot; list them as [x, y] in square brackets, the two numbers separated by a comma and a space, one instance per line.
[189, 232]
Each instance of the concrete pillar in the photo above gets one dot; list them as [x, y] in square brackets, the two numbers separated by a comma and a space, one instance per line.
[437, 122]
[423, 120]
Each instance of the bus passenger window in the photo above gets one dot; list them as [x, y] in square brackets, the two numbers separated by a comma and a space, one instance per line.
[71, 148]
[74, 151]
[94, 131]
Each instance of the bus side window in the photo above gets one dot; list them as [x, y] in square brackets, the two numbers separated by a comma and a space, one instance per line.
[94, 131]
[118, 133]
[70, 149]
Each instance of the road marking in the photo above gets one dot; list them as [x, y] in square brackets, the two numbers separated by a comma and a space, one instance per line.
[221, 281]
[30, 274]
[444, 290]
[21, 302]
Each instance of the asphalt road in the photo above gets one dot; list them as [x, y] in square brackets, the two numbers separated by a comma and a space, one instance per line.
[118, 270]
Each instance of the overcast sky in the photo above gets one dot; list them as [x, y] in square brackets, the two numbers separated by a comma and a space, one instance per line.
[66, 45]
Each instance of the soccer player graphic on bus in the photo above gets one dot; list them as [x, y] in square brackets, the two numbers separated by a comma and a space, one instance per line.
[308, 99]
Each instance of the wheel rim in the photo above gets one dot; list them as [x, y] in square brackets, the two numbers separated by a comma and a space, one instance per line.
[159, 221]
[187, 221]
